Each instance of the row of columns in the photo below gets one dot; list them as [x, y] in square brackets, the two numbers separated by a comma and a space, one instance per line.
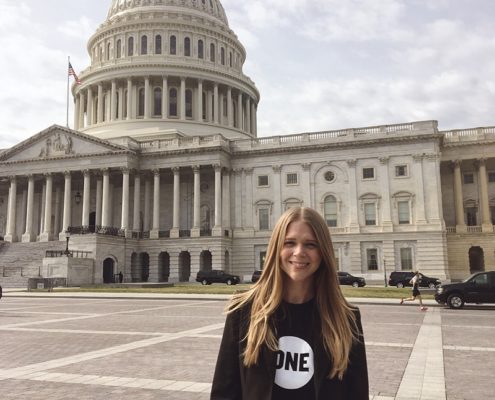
[486, 224]
[85, 104]
[103, 204]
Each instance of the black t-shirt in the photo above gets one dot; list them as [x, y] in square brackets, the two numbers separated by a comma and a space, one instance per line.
[294, 374]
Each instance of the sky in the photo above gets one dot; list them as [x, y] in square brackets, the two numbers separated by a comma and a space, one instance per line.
[319, 64]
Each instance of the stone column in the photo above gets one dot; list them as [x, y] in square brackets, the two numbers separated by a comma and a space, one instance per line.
[155, 232]
[277, 201]
[183, 98]
[86, 198]
[459, 201]
[46, 236]
[215, 103]
[165, 98]
[221, 109]
[57, 226]
[42, 210]
[174, 233]
[217, 229]
[248, 115]
[230, 118]
[147, 202]
[254, 117]
[120, 108]
[147, 97]
[209, 109]
[99, 191]
[29, 234]
[125, 201]
[137, 202]
[486, 223]
[420, 197]
[66, 221]
[353, 206]
[240, 117]
[386, 220]
[10, 235]
[307, 182]
[238, 198]
[226, 223]
[82, 102]
[195, 231]
[89, 106]
[100, 111]
[200, 101]
[248, 206]
[113, 101]
[105, 202]
[129, 98]
[76, 112]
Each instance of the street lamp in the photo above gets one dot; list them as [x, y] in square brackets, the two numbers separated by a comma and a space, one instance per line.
[67, 237]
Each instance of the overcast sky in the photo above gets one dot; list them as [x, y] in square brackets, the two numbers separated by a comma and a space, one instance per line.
[319, 64]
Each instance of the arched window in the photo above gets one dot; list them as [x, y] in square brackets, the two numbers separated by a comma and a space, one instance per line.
[189, 96]
[141, 103]
[157, 102]
[212, 52]
[158, 44]
[173, 45]
[187, 47]
[130, 46]
[144, 45]
[119, 48]
[108, 51]
[172, 108]
[200, 49]
[330, 209]
[222, 56]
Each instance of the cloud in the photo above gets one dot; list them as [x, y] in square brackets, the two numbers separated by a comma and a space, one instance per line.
[81, 28]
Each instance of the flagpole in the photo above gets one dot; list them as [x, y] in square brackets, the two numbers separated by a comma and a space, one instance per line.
[67, 117]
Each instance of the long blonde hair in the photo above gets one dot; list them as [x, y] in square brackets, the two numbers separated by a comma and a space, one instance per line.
[338, 322]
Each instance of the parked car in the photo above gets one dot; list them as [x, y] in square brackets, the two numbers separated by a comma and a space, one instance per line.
[345, 278]
[478, 288]
[402, 279]
[217, 276]
[256, 276]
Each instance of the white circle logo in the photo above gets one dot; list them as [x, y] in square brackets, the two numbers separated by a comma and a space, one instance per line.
[295, 363]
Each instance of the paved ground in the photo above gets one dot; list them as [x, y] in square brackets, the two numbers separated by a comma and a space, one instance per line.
[117, 348]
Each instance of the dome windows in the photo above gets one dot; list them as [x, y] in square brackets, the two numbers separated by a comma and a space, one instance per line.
[189, 107]
[119, 48]
[173, 45]
[130, 47]
[222, 56]
[144, 45]
[200, 49]
[158, 44]
[107, 55]
[172, 107]
[187, 47]
[140, 110]
[157, 102]
[212, 52]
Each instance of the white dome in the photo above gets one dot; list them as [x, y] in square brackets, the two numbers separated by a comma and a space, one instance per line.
[210, 7]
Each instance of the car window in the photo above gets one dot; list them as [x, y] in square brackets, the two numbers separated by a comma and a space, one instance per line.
[481, 279]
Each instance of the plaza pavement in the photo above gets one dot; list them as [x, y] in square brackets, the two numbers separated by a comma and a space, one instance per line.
[128, 346]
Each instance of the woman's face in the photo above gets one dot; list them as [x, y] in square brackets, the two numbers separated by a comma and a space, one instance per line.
[300, 256]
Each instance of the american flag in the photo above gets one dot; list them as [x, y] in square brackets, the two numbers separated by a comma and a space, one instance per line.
[73, 73]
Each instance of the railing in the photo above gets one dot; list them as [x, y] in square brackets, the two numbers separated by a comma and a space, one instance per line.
[186, 142]
[81, 230]
[69, 253]
[469, 135]
[205, 232]
[185, 233]
[100, 230]
[474, 229]
[451, 229]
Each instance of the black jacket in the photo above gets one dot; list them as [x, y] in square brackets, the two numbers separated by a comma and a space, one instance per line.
[234, 381]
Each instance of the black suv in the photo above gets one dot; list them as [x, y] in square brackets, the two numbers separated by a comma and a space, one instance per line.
[256, 276]
[478, 288]
[345, 278]
[402, 279]
[217, 276]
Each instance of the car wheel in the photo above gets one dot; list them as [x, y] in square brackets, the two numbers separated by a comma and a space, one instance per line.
[204, 282]
[431, 285]
[400, 285]
[455, 301]
[355, 284]
[229, 282]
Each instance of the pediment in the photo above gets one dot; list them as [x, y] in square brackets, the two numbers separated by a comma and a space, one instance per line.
[59, 142]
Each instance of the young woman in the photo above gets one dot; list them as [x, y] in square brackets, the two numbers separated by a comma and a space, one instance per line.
[416, 294]
[293, 335]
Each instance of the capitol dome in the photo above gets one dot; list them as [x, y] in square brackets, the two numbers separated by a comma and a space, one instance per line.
[165, 65]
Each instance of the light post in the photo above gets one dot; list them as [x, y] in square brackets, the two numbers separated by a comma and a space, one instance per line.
[385, 272]
[67, 237]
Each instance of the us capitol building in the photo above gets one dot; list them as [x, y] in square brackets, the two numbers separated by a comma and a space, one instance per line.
[164, 175]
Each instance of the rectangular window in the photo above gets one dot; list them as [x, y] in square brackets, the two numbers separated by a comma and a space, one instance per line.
[404, 214]
[263, 219]
[491, 176]
[468, 178]
[471, 217]
[406, 259]
[372, 259]
[331, 213]
[263, 180]
[368, 173]
[292, 179]
[400, 170]
[370, 214]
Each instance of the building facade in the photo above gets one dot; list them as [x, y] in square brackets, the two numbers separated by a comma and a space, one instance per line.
[164, 175]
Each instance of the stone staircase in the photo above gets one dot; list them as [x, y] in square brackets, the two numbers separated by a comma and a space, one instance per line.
[21, 261]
